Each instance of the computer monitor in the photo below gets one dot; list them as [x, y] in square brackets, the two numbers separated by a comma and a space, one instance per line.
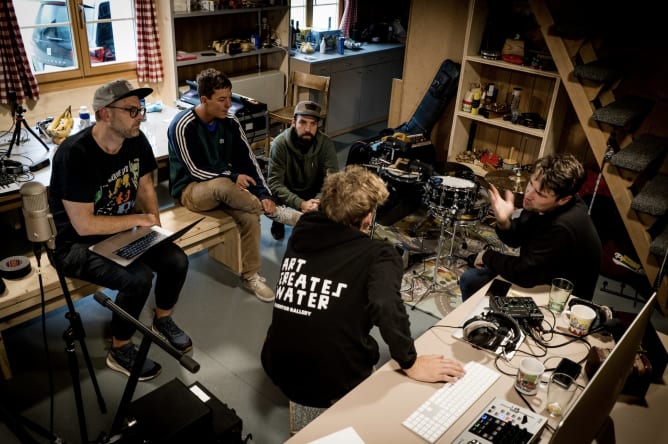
[585, 419]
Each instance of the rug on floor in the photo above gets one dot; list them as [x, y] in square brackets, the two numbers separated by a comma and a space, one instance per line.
[418, 238]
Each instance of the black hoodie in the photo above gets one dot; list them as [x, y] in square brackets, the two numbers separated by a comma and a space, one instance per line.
[560, 243]
[335, 284]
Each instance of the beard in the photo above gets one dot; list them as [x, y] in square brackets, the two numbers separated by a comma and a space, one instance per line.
[306, 137]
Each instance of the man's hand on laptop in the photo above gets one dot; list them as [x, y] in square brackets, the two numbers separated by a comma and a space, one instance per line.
[148, 220]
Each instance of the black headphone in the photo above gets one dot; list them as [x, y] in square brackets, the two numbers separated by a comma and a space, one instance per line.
[489, 329]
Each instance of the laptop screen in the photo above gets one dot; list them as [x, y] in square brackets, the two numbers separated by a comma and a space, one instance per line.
[586, 417]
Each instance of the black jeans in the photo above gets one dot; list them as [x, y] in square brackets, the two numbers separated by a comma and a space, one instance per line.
[134, 282]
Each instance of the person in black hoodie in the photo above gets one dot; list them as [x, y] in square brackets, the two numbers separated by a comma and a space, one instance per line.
[335, 284]
[554, 233]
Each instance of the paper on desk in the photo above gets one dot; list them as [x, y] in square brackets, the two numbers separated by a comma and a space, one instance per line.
[345, 436]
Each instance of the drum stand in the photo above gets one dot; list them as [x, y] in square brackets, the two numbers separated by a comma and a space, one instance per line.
[435, 286]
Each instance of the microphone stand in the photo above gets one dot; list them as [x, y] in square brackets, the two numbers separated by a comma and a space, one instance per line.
[148, 336]
[75, 332]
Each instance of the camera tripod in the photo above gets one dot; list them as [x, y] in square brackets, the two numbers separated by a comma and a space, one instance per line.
[19, 123]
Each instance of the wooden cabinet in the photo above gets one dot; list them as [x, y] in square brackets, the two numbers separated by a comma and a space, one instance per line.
[194, 32]
[540, 94]
[360, 86]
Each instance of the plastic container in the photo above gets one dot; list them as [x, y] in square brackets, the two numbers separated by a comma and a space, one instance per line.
[339, 47]
[142, 103]
[84, 117]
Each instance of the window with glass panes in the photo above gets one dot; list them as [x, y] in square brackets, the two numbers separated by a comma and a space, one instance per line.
[69, 39]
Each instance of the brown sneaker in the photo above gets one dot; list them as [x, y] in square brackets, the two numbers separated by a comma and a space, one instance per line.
[256, 284]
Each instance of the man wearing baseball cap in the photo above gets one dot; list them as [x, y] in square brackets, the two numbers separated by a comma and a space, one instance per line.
[99, 176]
[301, 156]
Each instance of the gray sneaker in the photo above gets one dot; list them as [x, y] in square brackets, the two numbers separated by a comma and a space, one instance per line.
[285, 215]
[167, 328]
[256, 284]
[122, 359]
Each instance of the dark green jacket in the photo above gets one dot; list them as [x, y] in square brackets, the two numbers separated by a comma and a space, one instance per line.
[294, 176]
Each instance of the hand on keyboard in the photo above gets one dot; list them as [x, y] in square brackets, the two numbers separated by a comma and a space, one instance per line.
[448, 403]
[435, 368]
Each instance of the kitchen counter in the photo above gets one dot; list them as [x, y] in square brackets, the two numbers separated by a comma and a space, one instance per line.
[329, 56]
[360, 83]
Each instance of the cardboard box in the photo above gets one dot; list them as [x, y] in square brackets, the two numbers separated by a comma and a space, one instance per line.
[331, 38]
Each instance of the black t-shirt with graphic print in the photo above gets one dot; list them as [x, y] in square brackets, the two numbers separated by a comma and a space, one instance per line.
[83, 172]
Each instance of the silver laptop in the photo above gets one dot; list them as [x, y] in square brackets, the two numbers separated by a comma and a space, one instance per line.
[590, 412]
[127, 246]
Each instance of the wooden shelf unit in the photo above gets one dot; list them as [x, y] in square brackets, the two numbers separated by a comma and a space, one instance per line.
[540, 94]
[194, 32]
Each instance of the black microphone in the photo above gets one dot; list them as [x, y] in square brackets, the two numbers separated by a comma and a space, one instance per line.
[40, 226]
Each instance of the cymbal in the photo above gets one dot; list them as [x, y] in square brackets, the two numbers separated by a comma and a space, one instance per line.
[454, 169]
[514, 181]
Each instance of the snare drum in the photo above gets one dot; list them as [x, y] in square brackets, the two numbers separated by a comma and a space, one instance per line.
[403, 183]
[443, 193]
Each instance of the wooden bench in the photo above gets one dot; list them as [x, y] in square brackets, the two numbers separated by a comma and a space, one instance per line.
[22, 300]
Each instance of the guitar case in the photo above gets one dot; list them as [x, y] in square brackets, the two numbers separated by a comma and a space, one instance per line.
[442, 89]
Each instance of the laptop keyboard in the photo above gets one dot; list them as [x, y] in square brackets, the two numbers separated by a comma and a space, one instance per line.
[138, 246]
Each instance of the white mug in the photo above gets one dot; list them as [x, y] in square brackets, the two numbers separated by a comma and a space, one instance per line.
[528, 375]
[579, 319]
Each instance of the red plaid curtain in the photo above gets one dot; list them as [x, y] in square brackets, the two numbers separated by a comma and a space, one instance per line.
[349, 17]
[15, 73]
[149, 60]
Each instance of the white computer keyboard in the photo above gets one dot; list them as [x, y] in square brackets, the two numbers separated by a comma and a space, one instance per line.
[449, 403]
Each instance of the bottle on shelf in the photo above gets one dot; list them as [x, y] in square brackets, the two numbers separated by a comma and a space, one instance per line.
[467, 103]
[515, 105]
[329, 23]
[491, 93]
[298, 35]
[265, 35]
[292, 34]
[323, 46]
[475, 103]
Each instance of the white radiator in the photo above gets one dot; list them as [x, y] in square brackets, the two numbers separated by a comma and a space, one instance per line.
[266, 87]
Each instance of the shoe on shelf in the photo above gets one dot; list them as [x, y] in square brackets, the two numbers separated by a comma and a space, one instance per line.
[167, 328]
[277, 230]
[122, 359]
[256, 284]
[285, 215]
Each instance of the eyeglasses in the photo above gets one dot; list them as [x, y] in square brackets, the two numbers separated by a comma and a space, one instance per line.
[133, 110]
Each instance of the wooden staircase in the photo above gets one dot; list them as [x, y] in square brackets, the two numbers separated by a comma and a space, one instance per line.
[568, 53]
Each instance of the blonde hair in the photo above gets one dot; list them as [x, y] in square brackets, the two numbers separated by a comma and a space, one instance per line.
[348, 196]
